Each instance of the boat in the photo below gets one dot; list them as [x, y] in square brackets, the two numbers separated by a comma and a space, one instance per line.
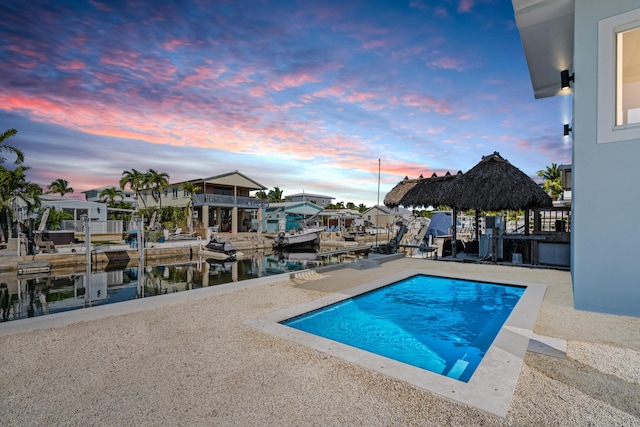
[300, 239]
[220, 250]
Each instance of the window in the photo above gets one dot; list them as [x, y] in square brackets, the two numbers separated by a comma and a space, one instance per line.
[174, 192]
[619, 77]
[628, 77]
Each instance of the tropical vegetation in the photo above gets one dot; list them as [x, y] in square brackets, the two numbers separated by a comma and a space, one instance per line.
[59, 186]
[10, 148]
[552, 180]
[15, 186]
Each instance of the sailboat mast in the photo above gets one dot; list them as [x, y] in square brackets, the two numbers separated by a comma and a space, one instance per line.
[378, 203]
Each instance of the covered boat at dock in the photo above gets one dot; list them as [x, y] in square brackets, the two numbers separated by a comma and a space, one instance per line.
[308, 238]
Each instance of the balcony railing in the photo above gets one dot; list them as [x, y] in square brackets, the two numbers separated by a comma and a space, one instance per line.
[230, 201]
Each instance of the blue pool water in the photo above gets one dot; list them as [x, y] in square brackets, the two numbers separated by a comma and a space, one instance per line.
[439, 324]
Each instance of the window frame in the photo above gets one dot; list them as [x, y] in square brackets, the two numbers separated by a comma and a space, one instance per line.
[608, 30]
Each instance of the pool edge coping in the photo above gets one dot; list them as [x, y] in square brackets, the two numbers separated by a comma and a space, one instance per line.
[491, 387]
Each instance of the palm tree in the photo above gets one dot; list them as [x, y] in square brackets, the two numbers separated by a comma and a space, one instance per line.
[14, 185]
[552, 180]
[110, 194]
[156, 181]
[5, 147]
[362, 207]
[59, 186]
[275, 195]
[191, 190]
[351, 205]
[136, 181]
[262, 195]
[56, 217]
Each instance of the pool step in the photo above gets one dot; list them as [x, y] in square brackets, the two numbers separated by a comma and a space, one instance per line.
[306, 276]
[457, 369]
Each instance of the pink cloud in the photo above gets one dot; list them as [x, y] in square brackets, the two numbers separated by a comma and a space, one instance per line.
[171, 45]
[447, 63]
[426, 103]
[73, 65]
[374, 44]
[294, 80]
[257, 91]
[360, 97]
[100, 6]
[465, 6]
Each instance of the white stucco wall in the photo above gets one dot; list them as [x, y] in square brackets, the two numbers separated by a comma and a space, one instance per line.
[606, 184]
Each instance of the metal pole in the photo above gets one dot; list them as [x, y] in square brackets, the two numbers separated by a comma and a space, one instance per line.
[378, 203]
[87, 271]
[87, 240]
[140, 237]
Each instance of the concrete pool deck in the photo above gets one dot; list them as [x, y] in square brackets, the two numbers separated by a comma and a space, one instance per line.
[190, 359]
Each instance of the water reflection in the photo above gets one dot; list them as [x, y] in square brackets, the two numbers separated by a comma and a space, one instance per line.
[24, 296]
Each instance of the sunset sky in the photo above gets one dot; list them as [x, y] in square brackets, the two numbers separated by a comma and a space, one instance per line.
[302, 95]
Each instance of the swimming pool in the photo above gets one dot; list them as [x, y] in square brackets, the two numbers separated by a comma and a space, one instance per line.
[493, 382]
[440, 324]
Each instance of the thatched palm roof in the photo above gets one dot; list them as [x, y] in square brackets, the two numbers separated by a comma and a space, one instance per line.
[434, 191]
[494, 184]
[393, 197]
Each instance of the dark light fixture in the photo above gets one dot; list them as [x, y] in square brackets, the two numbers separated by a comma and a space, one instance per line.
[567, 129]
[565, 78]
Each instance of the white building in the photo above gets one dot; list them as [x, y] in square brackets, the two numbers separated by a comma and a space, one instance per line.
[317, 199]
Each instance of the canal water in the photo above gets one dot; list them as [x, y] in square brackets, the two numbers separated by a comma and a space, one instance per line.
[32, 295]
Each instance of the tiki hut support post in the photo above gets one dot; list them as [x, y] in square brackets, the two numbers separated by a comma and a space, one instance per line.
[454, 233]
[477, 215]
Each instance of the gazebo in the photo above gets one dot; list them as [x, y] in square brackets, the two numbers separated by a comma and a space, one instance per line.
[493, 184]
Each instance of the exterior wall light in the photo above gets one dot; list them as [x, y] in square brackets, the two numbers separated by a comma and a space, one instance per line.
[565, 78]
[567, 129]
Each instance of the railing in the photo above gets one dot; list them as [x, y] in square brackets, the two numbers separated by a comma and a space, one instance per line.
[551, 220]
[95, 227]
[229, 201]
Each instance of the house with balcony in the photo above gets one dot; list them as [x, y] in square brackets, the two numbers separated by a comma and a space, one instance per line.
[317, 199]
[590, 50]
[222, 201]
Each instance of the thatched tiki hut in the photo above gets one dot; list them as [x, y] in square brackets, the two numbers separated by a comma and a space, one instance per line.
[394, 197]
[434, 191]
[493, 184]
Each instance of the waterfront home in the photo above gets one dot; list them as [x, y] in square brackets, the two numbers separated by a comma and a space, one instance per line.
[381, 216]
[591, 50]
[127, 195]
[222, 201]
[288, 216]
[318, 199]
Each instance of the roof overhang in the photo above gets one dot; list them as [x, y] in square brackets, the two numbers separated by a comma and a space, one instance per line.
[546, 31]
